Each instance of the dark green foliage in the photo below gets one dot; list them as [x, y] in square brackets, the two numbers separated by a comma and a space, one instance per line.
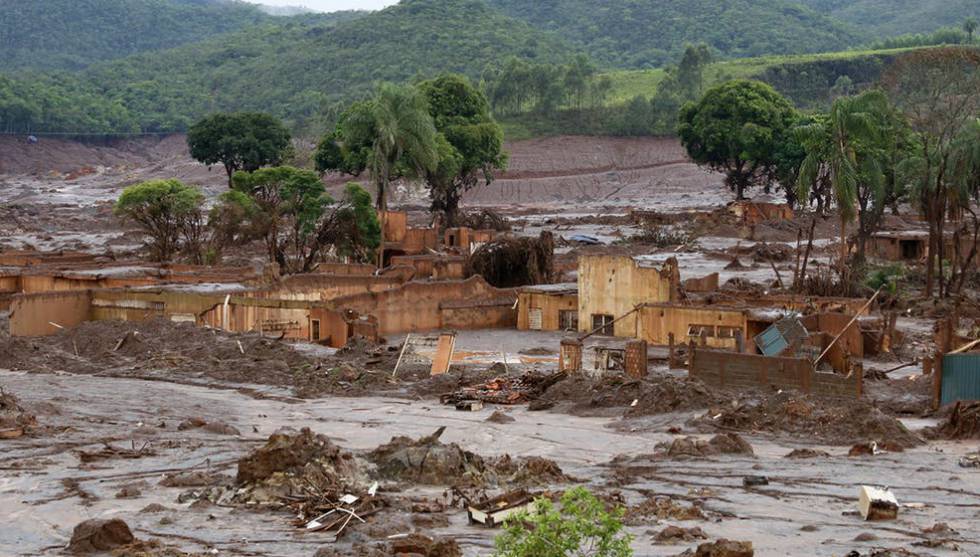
[737, 128]
[650, 33]
[810, 84]
[290, 210]
[470, 142]
[391, 135]
[166, 210]
[239, 141]
[946, 35]
[72, 34]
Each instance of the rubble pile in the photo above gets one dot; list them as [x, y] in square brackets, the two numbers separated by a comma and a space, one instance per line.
[721, 548]
[584, 395]
[97, 535]
[663, 508]
[507, 390]
[14, 420]
[834, 423]
[725, 443]
[429, 461]
[679, 534]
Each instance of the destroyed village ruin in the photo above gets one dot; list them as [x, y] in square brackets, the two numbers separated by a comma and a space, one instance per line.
[727, 343]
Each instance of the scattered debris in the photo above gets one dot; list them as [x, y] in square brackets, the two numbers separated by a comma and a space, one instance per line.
[506, 390]
[493, 512]
[724, 443]
[663, 508]
[835, 423]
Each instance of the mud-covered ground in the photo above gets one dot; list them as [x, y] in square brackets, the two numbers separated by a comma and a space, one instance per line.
[131, 432]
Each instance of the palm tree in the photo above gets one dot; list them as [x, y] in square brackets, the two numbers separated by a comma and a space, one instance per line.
[397, 125]
[402, 138]
[835, 150]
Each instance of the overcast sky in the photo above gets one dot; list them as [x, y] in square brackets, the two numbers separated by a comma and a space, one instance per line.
[331, 5]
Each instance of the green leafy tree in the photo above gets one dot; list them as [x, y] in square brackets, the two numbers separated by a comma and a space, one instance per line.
[166, 210]
[239, 141]
[851, 149]
[938, 91]
[390, 135]
[470, 142]
[965, 197]
[581, 527]
[736, 128]
[290, 210]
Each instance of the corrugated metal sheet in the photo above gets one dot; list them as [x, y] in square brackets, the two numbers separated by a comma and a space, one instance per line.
[961, 377]
[774, 340]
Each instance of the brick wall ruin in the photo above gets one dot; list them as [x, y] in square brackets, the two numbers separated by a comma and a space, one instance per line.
[748, 371]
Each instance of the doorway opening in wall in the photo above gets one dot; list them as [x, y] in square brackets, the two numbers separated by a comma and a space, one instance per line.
[315, 329]
[568, 319]
[534, 318]
[911, 249]
[603, 324]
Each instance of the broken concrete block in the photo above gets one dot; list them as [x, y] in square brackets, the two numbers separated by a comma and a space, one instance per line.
[877, 503]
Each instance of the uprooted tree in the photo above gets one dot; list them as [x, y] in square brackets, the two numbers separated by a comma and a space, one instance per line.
[167, 211]
[738, 128]
[297, 220]
[938, 91]
[510, 262]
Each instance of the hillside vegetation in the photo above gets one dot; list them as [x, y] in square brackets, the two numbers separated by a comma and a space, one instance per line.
[651, 33]
[72, 34]
[886, 18]
[294, 69]
[546, 66]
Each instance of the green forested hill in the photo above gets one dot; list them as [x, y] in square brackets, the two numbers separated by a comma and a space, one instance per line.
[651, 33]
[293, 68]
[885, 18]
[72, 34]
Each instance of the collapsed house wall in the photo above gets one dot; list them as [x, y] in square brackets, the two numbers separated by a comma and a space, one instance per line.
[437, 267]
[467, 240]
[427, 306]
[752, 213]
[611, 286]
[851, 342]
[41, 314]
[749, 371]
[317, 287]
[709, 326]
[709, 283]
[548, 308]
